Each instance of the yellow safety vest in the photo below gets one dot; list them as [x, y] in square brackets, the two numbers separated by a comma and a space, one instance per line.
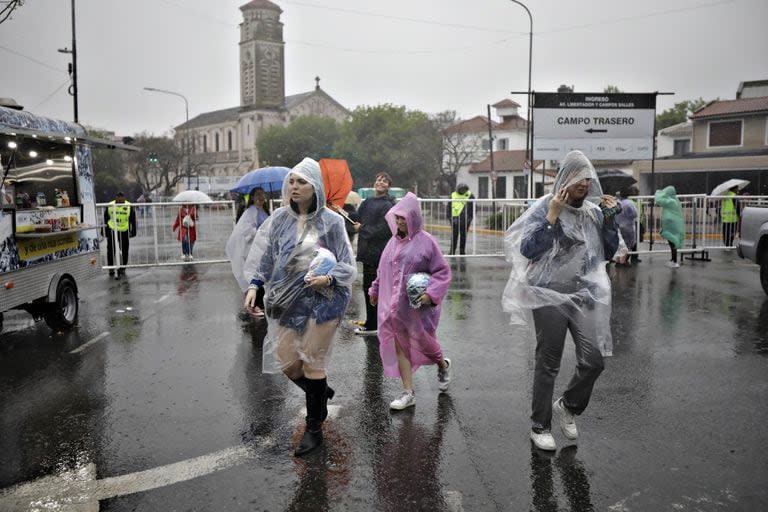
[122, 212]
[458, 202]
[729, 209]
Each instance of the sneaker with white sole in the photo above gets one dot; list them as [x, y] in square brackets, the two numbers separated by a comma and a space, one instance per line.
[672, 264]
[543, 440]
[407, 399]
[567, 419]
[444, 375]
[362, 331]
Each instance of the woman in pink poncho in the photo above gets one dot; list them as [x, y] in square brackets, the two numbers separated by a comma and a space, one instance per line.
[407, 335]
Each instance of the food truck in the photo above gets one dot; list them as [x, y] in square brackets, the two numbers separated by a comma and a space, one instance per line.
[49, 236]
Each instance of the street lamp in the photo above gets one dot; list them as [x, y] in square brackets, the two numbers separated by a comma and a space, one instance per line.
[528, 125]
[186, 117]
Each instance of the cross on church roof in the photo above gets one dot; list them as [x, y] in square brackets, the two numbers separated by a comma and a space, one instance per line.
[317, 82]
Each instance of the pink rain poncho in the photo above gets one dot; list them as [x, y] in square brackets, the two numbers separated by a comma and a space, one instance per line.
[414, 329]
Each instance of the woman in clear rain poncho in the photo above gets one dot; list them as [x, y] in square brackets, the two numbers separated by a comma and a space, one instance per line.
[558, 250]
[407, 334]
[241, 239]
[303, 308]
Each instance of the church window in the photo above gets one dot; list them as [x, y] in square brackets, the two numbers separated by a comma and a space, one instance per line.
[229, 140]
[205, 143]
[217, 143]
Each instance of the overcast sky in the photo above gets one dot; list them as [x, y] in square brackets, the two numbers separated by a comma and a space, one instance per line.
[430, 55]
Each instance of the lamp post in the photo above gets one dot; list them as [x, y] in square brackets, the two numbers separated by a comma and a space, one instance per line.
[528, 124]
[186, 117]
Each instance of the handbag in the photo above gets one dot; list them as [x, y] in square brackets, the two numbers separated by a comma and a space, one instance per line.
[187, 221]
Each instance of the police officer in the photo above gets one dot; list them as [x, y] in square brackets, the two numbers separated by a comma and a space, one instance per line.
[460, 213]
[120, 222]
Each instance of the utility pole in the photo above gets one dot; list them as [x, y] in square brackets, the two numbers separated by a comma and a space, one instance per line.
[73, 65]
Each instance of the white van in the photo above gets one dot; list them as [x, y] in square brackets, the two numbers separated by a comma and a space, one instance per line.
[49, 236]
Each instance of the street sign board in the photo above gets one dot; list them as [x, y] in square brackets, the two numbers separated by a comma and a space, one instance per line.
[603, 126]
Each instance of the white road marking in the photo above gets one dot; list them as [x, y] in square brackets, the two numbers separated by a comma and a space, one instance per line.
[79, 491]
[89, 343]
[161, 299]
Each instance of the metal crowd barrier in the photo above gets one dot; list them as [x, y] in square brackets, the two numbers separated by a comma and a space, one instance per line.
[156, 244]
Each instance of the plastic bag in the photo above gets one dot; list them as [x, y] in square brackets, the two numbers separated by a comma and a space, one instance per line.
[187, 221]
[322, 262]
[415, 287]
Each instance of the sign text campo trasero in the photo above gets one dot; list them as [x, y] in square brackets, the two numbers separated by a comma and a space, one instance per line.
[603, 126]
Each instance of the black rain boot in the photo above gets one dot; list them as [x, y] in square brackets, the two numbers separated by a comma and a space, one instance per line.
[316, 409]
[302, 383]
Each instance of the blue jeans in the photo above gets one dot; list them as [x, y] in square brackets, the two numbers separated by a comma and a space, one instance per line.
[187, 246]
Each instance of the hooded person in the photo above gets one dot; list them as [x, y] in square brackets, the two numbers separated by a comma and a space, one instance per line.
[303, 308]
[241, 239]
[672, 225]
[558, 281]
[407, 334]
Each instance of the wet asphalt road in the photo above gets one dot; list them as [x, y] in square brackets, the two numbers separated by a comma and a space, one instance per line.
[156, 401]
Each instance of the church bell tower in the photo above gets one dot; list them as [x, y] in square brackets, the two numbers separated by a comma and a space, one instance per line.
[262, 58]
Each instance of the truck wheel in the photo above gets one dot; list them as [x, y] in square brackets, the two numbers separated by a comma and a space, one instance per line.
[63, 312]
[764, 274]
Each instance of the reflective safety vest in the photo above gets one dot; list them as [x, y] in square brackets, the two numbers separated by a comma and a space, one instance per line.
[729, 209]
[459, 202]
[121, 211]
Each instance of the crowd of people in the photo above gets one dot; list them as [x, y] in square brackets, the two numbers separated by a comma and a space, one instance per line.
[296, 267]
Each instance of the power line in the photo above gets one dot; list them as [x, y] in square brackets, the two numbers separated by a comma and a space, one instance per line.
[31, 59]
[50, 95]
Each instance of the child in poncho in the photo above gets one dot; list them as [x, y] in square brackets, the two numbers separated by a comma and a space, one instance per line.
[407, 337]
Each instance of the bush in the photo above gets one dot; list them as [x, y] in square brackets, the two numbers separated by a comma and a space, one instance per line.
[496, 221]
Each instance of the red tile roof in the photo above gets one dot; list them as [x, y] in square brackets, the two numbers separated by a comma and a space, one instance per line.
[512, 123]
[728, 107]
[476, 124]
[506, 104]
[511, 160]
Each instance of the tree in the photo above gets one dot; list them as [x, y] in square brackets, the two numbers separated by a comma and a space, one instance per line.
[459, 148]
[10, 6]
[109, 176]
[678, 113]
[311, 136]
[404, 143]
[158, 166]
[612, 89]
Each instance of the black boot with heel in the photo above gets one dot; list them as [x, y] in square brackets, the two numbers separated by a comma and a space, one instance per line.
[317, 411]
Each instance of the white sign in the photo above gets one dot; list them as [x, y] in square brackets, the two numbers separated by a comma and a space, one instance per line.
[602, 126]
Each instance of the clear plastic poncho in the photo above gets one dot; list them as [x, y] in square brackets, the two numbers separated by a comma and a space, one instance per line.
[241, 239]
[280, 257]
[562, 265]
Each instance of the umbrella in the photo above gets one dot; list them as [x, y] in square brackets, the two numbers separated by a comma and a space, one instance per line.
[354, 199]
[337, 181]
[615, 180]
[192, 196]
[270, 179]
[725, 186]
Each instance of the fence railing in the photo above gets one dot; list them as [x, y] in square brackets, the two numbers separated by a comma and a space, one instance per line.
[156, 244]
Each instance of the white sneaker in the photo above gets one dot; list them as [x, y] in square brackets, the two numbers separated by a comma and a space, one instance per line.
[673, 264]
[407, 399]
[190, 258]
[444, 376]
[544, 441]
[567, 420]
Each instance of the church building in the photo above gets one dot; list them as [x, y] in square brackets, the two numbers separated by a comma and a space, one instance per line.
[222, 143]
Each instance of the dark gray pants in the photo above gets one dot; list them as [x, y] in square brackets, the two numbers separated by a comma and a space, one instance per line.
[551, 325]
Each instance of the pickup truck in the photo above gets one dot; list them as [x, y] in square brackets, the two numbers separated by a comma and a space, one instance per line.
[753, 242]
